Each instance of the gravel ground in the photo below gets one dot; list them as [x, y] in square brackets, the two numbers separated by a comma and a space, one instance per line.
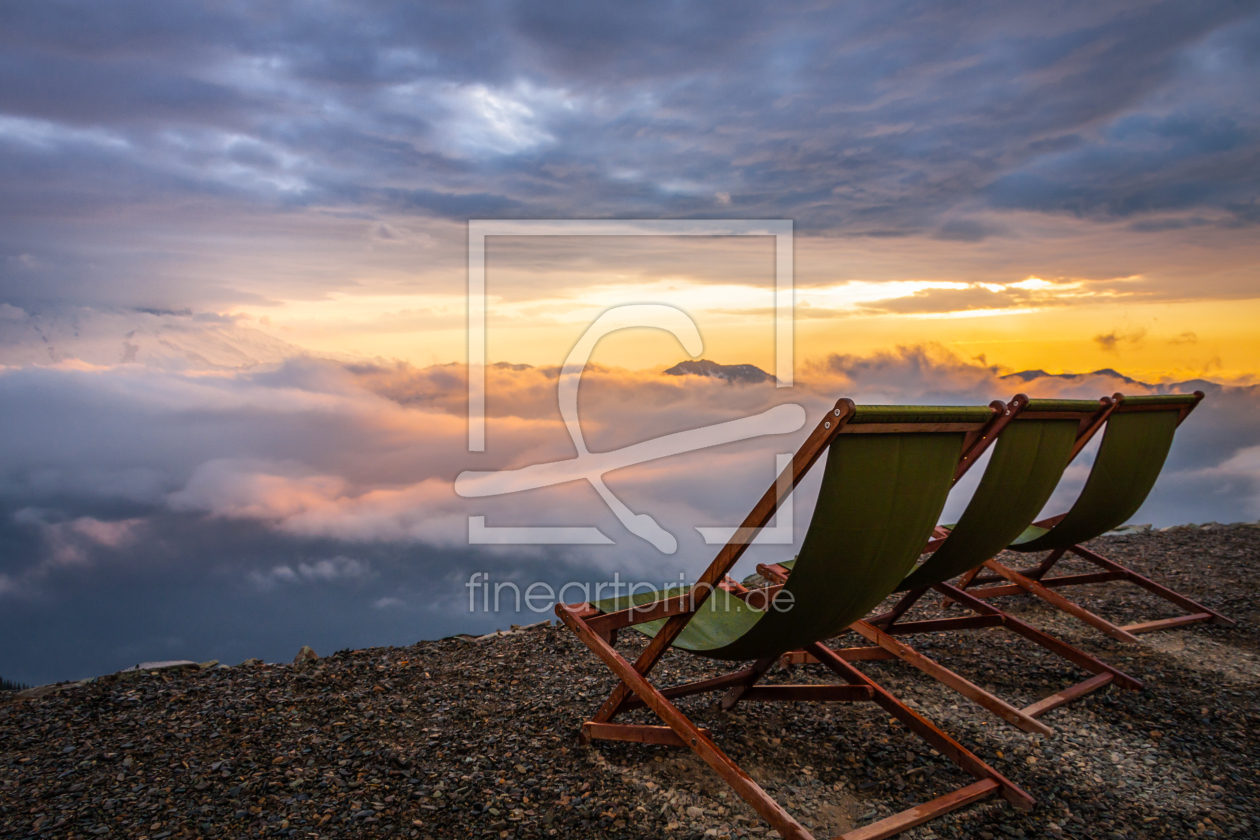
[476, 739]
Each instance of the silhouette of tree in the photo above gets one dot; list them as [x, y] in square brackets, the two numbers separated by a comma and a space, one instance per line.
[9, 685]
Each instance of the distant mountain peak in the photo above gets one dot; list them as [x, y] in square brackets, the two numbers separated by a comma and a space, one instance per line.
[743, 374]
[1030, 375]
[1164, 388]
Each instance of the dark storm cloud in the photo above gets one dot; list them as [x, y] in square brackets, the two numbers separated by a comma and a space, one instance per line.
[853, 118]
[1181, 163]
[83, 91]
[135, 123]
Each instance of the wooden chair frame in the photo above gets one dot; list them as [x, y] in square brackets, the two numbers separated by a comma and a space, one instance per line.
[880, 630]
[634, 690]
[1034, 581]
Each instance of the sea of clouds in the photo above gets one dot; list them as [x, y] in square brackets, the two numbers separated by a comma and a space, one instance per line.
[199, 490]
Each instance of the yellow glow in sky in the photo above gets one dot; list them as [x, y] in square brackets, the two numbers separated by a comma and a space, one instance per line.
[1056, 326]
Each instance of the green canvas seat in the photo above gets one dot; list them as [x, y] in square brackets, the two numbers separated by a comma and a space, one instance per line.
[887, 475]
[1027, 463]
[1139, 433]
[880, 498]
[1130, 458]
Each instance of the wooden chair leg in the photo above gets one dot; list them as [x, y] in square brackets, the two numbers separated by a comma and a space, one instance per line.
[1051, 597]
[1187, 604]
[1067, 695]
[920, 814]
[755, 673]
[974, 578]
[1170, 623]
[987, 616]
[860, 654]
[687, 732]
[941, 674]
[988, 592]
[1103, 674]
[680, 731]
[1043, 568]
[899, 609]
[1196, 612]
[963, 583]
[700, 687]
[925, 729]
[1059, 647]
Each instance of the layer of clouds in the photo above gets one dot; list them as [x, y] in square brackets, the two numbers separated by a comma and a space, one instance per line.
[326, 570]
[311, 500]
[148, 150]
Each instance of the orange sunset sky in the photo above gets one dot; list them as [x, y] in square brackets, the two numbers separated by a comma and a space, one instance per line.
[1177, 310]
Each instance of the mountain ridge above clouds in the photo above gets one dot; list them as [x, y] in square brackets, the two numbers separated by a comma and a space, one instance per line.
[1188, 385]
[743, 374]
[751, 374]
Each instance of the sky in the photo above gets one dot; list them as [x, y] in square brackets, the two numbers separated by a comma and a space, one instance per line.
[233, 285]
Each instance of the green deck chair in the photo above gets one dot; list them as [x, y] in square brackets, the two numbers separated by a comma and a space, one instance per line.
[1034, 443]
[888, 472]
[1139, 433]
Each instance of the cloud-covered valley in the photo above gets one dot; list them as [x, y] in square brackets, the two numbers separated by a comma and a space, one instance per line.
[150, 510]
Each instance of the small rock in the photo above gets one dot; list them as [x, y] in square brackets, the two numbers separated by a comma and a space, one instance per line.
[305, 655]
[164, 665]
